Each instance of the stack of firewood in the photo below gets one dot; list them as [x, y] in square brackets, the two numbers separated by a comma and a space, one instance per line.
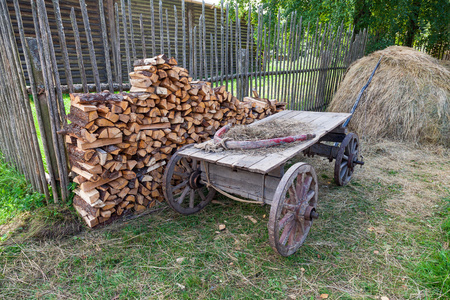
[118, 144]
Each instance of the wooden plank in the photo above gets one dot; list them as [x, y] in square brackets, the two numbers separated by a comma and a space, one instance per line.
[118, 52]
[89, 186]
[125, 35]
[183, 19]
[87, 28]
[324, 124]
[141, 27]
[153, 29]
[63, 45]
[133, 42]
[232, 181]
[105, 46]
[168, 35]
[79, 51]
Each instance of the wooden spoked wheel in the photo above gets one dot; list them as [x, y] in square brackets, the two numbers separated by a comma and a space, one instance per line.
[293, 209]
[182, 185]
[346, 159]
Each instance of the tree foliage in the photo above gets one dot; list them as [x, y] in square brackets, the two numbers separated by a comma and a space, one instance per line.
[420, 23]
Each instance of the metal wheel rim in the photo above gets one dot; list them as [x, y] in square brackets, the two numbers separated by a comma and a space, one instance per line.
[287, 226]
[348, 153]
[178, 192]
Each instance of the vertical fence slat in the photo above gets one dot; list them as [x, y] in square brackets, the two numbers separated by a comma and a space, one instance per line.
[106, 46]
[144, 47]
[168, 34]
[119, 54]
[153, 29]
[227, 21]
[183, 18]
[62, 43]
[44, 53]
[205, 58]
[216, 59]
[15, 106]
[133, 44]
[231, 57]
[200, 47]
[222, 56]
[76, 33]
[211, 59]
[125, 35]
[304, 63]
[87, 29]
[161, 27]
[175, 14]
[258, 50]
[36, 104]
[191, 46]
[194, 53]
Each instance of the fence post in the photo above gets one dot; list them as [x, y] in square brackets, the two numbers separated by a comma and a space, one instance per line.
[242, 79]
[321, 82]
[42, 100]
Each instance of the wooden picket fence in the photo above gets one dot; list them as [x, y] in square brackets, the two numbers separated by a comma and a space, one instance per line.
[296, 62]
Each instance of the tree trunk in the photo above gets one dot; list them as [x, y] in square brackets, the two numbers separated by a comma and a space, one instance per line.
[412, 24]
[361, 15]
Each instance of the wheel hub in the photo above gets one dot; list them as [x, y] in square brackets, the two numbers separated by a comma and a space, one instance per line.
[310, 213]
[194, 179]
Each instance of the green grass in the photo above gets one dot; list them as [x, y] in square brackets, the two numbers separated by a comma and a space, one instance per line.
[434, 268]
[66, 98]
[379, 236]
[16, 194]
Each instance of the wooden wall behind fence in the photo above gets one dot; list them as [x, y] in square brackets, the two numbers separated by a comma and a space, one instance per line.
[89, 45]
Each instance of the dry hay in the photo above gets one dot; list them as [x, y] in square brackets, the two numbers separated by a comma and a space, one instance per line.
[408, 98]
[445, 63]
[268, 130]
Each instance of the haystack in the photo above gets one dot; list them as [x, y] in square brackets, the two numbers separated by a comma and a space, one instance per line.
[408, 98]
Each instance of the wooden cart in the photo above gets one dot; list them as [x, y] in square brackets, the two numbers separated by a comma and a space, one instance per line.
[193, 176]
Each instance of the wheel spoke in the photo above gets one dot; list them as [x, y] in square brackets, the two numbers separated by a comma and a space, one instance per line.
[285, 220]
[199, 191]
[191, 199]
[302, 225]
[354, 145]
[292, 235]
[306, 186]
[290, 207]
[343, 171]
[299, 185]
[310, 195]
[293, 194]
[343, 164]
[344, 157]
[183, 195]
[286, 233]
[182, 175]
[175, 188]
[185, 164]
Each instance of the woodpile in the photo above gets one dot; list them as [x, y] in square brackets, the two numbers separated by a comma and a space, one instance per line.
[118, 144]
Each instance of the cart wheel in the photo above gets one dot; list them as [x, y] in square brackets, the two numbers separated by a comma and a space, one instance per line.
[346, 159]
[182, 187]
[293, 209]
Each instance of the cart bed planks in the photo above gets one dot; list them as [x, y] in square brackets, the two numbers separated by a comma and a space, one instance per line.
[322, 122]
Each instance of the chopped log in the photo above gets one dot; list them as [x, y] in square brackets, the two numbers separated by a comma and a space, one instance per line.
[98, 143]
